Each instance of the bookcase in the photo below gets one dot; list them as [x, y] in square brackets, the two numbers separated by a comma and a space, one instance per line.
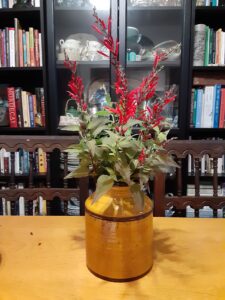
[23, 84]
[141, 26]
[207, 71]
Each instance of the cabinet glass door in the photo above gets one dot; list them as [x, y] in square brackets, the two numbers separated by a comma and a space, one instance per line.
[74, 36]
[155, 26]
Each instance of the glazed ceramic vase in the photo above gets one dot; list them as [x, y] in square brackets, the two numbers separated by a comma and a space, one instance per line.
[118, 236]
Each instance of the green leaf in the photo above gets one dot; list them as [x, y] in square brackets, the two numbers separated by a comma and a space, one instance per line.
[91, 146]
[81, 171]
[108, 99]
[96, 122]
[123, 168]
[99, 130]
[132, 122]
[138, 196]
[71, 128]
[104, 184]
[102, 113]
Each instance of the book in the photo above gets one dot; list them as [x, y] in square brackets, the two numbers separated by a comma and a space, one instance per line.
[222, 109]
[31, 43]
[13, 123]
[19, 108]
[4, 110]
[216, 110]
[199, 44]
[12, 62]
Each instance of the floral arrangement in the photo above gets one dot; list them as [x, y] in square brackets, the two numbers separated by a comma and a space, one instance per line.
[109, 148]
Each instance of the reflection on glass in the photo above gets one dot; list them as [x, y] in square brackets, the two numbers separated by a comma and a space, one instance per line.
[99, 4]
[75, 38]
[151, 30]
[155, 3]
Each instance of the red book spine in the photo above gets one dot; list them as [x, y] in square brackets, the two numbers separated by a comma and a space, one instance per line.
[13, 123]
[222, 109]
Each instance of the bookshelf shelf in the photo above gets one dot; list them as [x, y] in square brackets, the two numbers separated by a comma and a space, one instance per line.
[19, 69]
[146, 63]
[209, 68]
[90, 64]
[19, 10]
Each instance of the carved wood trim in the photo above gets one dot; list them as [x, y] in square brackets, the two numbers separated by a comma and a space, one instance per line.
[46, 193]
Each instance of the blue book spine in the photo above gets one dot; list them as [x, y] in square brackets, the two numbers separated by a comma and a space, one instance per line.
[217, 106]
[24, 48]
[25, 162]
[5, 4]
[31, 110]
[199, 108]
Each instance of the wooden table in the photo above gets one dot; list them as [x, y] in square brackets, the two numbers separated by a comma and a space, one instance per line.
[44, 258]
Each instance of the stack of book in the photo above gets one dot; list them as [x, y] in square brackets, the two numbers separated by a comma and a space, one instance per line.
[210, 3]
[209, 46]
[208, 107]
[22, 207]
[20, 108]
[20, 47]
[10, 3]
[22, 163]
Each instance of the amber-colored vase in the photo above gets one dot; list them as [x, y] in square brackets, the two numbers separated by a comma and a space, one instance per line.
[118, 236]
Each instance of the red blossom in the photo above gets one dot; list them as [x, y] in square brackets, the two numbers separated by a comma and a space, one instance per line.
[75, 85]
[142, 157]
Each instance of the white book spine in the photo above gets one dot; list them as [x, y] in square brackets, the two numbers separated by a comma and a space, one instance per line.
[2, 151]
[12, 62]
[189, 163]
[37, 3]
[17, 162]
[203, 165]
[11, 2]
[220, 165]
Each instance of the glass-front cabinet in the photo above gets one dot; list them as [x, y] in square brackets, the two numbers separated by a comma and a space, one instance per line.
[142, 27]
[155, 26]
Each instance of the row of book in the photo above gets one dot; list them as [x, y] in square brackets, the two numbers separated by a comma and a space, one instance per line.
[20, 48]
[10, 3]
[206, 165]
[210, 3]
[209, 46]
[22, 162]
[23, 207]
[208, 107]
[19, 108]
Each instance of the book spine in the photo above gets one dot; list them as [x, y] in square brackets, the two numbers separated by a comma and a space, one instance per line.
[40, 49]
[217, 106]
[12, 107]
[31, 110]
[36, 48]
[24, 48]
[12, 47]
[31, 42]
[26, 118]
[19, 108]
[199, 108]
[28, 48]
[206, 55]
[20, 42]
[222, 109]
[7, 45]
[16, 25]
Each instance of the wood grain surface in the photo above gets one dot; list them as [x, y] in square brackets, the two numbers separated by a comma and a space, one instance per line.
[43, 258]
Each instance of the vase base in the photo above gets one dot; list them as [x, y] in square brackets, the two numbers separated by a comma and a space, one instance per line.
[119, 279]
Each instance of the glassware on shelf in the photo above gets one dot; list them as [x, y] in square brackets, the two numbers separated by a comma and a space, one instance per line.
[141, 3]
